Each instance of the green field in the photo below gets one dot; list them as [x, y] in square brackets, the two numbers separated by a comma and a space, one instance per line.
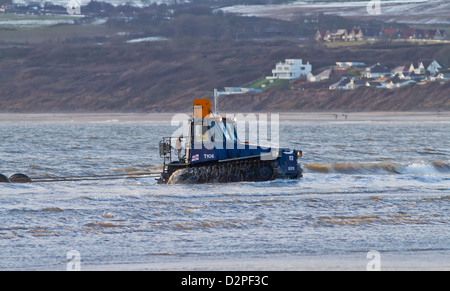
[42, 28]
[24, 21]
[257, 84]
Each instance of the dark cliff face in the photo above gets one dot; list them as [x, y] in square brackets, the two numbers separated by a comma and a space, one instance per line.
[166, 76]
[431, 97]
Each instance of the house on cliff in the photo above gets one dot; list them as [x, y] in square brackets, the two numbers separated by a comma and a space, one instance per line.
[290, 69]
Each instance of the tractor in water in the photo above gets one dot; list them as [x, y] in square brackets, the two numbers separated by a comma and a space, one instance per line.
[212, 153]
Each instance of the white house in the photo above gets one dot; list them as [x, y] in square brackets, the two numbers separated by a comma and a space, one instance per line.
[348, 84]
[376, 71]
[401, 71]
[325, 75]
[354, 84]
[290, 69]
[436, 77]
[431, 66]
[376, 84]
[421, 67]
[341, 85]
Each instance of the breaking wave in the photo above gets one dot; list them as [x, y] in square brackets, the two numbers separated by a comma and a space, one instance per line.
[419, 168]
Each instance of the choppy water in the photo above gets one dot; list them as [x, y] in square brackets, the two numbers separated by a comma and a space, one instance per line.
[380, 186]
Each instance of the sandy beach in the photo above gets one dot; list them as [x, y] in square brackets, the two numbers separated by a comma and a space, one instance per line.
[432, 261]
[284, 116]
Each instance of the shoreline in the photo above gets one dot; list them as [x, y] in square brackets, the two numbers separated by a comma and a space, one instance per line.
[432, 260]
[323, 116]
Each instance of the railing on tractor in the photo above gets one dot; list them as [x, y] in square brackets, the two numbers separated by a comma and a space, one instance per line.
[165, 152]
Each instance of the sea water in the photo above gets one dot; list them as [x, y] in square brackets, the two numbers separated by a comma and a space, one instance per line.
[379, 186]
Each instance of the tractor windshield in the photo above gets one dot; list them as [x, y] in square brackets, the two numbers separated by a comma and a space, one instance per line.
[216, 130]
[228, 130]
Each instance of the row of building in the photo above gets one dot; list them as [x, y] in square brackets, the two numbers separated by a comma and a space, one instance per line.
[378, 76]
[359, 34]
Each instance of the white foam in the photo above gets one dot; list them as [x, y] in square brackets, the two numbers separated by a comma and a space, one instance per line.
[419, 168]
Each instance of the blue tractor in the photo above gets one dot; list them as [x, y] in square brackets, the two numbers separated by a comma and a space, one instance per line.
[212, 153]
